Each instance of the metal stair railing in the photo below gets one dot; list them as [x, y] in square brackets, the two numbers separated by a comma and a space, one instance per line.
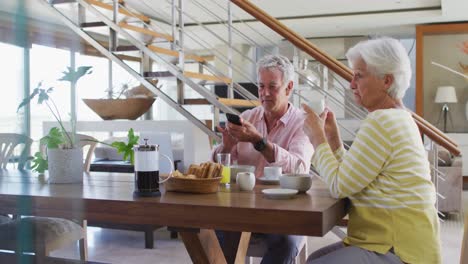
[237, 87]
[242, 91]
[356, 112]
[172, 68]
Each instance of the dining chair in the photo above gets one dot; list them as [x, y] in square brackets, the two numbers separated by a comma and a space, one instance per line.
[257, 249]
[39, 235]
[89, 142]
[45, 234]
[8, 143]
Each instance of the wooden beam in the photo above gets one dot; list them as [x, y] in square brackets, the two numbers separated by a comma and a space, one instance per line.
[207, 77]
[146, 31]
[121, 10]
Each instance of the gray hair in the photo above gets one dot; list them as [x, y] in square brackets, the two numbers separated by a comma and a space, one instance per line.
[385, 56]
[279, 62]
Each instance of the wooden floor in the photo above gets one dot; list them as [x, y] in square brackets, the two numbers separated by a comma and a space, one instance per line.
[119, 246]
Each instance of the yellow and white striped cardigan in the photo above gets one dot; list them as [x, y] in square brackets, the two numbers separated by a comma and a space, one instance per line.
[386, 175]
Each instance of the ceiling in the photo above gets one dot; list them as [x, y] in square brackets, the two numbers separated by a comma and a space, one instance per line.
[311, 19]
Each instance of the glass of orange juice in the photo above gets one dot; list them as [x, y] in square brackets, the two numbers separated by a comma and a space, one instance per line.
[225, 160]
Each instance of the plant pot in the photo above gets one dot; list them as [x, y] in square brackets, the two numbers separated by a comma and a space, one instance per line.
[130, 108]
[65, 165]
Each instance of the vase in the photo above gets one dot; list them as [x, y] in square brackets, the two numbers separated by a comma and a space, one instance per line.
[65, 165]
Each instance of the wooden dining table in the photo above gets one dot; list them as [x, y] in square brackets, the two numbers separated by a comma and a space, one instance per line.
[108, 197]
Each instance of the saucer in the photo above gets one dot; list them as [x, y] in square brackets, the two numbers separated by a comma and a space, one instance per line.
[279, 193]
[266, 181]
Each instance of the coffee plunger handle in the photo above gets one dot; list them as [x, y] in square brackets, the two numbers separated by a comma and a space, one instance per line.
[172, 167]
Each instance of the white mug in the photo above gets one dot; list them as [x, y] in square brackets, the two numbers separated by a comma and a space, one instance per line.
[317, 105]
[240, 168]
[245, 180]
[272, 173]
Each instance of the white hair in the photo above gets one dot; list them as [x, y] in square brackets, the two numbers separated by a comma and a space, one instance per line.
[385, 56]
[279, 62]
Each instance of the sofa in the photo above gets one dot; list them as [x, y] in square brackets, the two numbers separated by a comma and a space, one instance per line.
[452, 186]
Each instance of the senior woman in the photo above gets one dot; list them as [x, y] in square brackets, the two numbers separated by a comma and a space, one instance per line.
[385, 173]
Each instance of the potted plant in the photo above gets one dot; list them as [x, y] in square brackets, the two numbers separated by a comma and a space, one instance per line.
[137, 101]
[63, 158]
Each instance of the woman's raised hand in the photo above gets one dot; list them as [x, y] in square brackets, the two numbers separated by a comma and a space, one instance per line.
[314, 126]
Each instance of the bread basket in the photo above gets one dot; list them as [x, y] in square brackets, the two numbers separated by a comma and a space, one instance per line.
[192, 185]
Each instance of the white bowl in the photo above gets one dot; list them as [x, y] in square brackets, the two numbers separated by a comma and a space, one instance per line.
[300, 182]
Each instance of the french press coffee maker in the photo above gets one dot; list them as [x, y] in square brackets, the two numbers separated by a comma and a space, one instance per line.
[147, 170]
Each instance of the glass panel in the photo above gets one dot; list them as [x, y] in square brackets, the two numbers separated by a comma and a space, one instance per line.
[12, 85]
[47, 65]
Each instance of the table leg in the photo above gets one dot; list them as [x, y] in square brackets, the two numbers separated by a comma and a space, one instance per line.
[203, 246]
[235, 246]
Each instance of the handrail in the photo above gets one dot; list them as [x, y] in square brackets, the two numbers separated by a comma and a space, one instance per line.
[300, 42]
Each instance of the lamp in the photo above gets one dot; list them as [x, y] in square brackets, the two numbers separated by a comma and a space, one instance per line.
[445, 95]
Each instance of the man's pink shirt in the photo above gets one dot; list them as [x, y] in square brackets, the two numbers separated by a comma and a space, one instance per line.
[290, 143]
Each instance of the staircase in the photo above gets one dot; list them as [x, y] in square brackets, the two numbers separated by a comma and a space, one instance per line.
[129, 31]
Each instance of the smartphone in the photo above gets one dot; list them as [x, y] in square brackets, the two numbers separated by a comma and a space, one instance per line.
[235, 119]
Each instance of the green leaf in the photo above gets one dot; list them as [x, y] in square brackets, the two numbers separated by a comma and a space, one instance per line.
[73, 76]
[43, 95]
[28, 99]
[127, 149]
[54, 138]
[39, 164]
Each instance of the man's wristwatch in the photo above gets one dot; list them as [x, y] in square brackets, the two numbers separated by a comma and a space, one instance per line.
[260, 145]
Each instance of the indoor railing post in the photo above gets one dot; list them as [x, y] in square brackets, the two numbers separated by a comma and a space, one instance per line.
[230, 93]
[173, 25]
[180, 49]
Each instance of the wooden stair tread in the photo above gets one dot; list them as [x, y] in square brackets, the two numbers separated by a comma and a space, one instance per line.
[93, 24]
[239, 102]
[174, 53]
[146, 31]
[207, 77]
[225, 101]
[158, 74]
[121, 10]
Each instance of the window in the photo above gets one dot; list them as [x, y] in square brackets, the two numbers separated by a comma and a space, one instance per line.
[12, 88]
[47, 65]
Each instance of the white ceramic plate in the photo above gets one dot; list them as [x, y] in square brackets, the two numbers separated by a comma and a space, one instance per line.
[279, 193]
[266, 181]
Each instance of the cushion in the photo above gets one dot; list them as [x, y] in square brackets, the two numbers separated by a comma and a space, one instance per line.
[51, 233]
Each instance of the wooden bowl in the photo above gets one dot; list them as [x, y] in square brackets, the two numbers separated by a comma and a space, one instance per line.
[130, 108]
[188, 185]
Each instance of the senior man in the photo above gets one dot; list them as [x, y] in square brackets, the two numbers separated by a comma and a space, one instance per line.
[271, 135]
